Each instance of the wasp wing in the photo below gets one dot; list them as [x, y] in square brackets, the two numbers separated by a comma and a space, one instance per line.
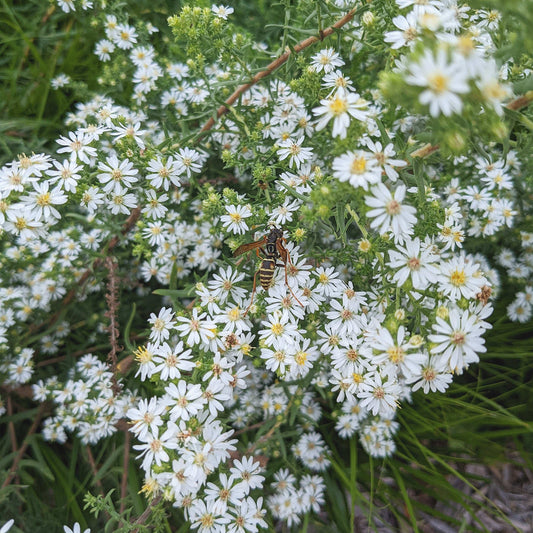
[243, 248]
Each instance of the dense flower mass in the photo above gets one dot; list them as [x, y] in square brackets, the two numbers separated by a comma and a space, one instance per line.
[358, 278]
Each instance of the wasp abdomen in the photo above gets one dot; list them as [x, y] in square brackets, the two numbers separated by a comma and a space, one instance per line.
[266, 273]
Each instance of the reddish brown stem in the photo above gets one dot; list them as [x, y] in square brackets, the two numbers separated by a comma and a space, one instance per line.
[147, 511]
[94, 470]
[13, 470]
[302, 45]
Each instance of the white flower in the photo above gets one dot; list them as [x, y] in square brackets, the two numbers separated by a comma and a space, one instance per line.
[66, 174]
[461, 278]
[185, 400]
[130, 131]
[378, 395]
[383, 157]
[248, 472]
[117, 175]
[76, 528]
[433, 375]
[358, 167]
[388, 212]
[41, 201]
[283, 213]
[326, 60]
[7, 526]
[408, 31]
[146, 417]
[443, 80]
[415, 262]
[222, 11]
[124, 36]
[234, 220]
[163, 174]
[154, 206]
[122, 203]
[196, 329]
[92, 198]
[294, 150]
[60, 81]
[458, 340]
[153, 446]
[161, 324]
[279, 332]
[169, 361]
[188, 161]
[104, 49]
[77, 144]
[396, 351]
[339, 107]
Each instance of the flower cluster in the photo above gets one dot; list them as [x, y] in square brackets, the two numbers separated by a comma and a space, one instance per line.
[314, 264]
[87, 404]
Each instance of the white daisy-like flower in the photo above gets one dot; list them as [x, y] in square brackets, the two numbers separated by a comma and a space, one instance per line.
[458, 340]
[444, 81]
[415, 262]
[357, 167]
[235, 219]
[222, 11]
[461, 278]
[340, 107]
[389, 213]
[326, 60]
[294, 150]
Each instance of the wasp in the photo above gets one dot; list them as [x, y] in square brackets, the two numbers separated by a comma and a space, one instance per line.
[272, 248]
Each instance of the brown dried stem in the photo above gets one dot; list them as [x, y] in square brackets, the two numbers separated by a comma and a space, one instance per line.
[13, 470]
[94, 470]
[112, 313]
[302, 45]
[147, 511]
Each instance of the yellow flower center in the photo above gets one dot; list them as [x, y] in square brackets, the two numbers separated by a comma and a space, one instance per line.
[458, 278]
[301, 358]
[234, 314]
[396, 354]
[438, 82]
[358, 165]
[277, 329]
[43, 199]
[338, 106]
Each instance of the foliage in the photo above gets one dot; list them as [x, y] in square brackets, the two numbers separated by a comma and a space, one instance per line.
[159, 375]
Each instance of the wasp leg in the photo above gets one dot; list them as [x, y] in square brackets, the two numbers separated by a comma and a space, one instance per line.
[253, 293]
[287, 283]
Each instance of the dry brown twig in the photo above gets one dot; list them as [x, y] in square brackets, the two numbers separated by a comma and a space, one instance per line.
[112, 313]
[22, 450]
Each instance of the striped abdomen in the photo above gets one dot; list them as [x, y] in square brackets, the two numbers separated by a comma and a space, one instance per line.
[266, 273]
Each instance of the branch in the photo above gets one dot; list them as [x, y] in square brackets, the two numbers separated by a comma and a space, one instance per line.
[515, 105]
[147, 511]
[111, 313]
[521, 101]
[302, 45]
[13, 470]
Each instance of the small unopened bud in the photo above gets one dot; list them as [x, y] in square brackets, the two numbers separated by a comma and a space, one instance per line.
[368, 18]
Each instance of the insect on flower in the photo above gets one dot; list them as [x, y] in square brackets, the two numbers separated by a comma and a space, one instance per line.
[273, 248]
